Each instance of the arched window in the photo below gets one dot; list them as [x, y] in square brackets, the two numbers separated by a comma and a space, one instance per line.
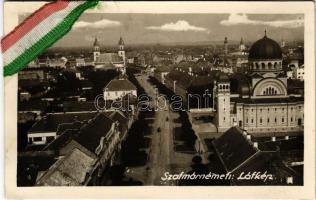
[257, 65]
[262, 65]
[269, 65]
[275, 65]
[220, 86]
[264, 92]
[268, 120]
[269, 90]
[226, 87]
[275, 92]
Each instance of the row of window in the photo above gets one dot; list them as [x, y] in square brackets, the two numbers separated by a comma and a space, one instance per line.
[268, 120]
[270, 91]
[224, 87]
[264, 66]
[268, 109]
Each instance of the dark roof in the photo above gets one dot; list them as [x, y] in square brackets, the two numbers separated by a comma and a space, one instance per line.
[61, 140]
[120, 85]
[240, 83]
[76, 106]
[32, 105]
[90, 135]
[50, 122]
[265, 48]
[119, 117]
[187, 81]
[233, 148]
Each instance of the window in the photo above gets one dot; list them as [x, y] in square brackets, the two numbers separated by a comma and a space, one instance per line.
[275, 109]
[275, 65]
[260, 120]
[251, 110]
[283, 109]
[291, 108]
[299, 107]
[260, 109]
[37, 139]
[291, 119]
[262, 65]
[251, 120]
[224, 118]
[247, 120]
[282, 119]
[275, 120]
[268, 120]
[268, 109]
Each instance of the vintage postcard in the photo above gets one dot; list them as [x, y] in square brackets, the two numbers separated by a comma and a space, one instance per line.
[207, 99]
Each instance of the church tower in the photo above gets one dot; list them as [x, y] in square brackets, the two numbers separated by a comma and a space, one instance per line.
[242, 46]
[282, 43]
[96, 50]
[222, 92]
[121, 51]
[226, 46]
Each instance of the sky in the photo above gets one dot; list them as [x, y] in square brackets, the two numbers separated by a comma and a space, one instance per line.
[181, 28]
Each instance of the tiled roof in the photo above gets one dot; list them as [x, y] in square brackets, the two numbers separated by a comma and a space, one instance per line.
[233, 148]
[120, 85]
[70, 170]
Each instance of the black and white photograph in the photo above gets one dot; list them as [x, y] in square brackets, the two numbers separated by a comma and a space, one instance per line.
[180, 97]
[166, 99]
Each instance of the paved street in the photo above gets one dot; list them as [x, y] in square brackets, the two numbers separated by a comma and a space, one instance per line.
[162, 157]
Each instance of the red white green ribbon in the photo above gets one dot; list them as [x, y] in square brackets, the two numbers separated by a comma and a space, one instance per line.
[40, 31]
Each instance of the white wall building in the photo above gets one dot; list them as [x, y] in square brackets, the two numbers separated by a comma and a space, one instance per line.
[118, 88]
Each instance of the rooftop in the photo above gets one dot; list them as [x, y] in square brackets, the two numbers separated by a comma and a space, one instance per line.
[51, 122]
[120, 85]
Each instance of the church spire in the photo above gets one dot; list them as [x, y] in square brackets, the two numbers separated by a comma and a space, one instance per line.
[121, 41]
[241, 41]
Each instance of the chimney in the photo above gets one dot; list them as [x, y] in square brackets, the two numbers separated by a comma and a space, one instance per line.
[248, 137]
[255, 144]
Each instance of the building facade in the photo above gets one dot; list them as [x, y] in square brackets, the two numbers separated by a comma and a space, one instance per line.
[116, 60]
[262, 104]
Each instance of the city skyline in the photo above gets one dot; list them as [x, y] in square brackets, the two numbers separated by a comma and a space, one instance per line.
[181, 28]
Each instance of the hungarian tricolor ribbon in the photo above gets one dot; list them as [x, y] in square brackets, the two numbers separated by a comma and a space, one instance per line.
[40, 31]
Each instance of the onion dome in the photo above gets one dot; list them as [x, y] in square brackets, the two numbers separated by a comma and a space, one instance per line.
[265, 49]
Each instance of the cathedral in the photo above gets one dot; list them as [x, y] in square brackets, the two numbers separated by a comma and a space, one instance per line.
[109, 60]
[259, 100]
